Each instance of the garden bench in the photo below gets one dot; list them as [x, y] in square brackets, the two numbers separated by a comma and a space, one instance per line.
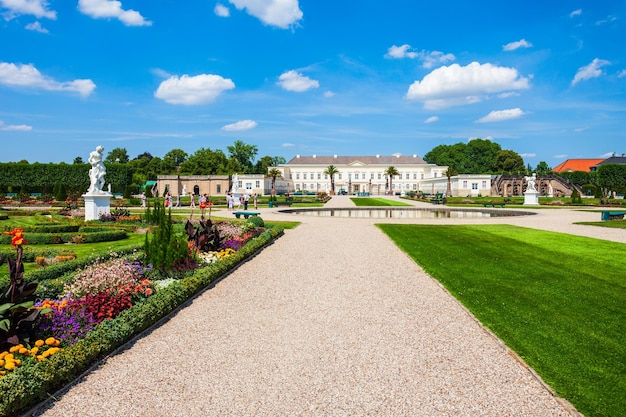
[493, 205]
[246, 214]
[612, 215]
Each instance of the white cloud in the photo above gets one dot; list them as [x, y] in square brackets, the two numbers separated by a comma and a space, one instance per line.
[112, 9]
[561, 156]
[435, 58]
[432, 119]
[329, 94]
[622, 73]
[577, 12]
[189, 91]
[500, 115]
[523, 43]
[221, 10]
[280, 13]
[294, 81]
[37, 8]
[288, 145]
[399, 52]
[29, 76]
[36, 26]
[15, 128]
[593, 70]
[528, 155]
[240, 125]
[429, 59]
[456, 85]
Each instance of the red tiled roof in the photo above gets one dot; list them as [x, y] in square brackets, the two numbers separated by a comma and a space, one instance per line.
[577, 165]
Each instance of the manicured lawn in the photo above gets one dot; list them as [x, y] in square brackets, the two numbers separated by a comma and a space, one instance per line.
[373, 202]
[558, 300]
[617, 224]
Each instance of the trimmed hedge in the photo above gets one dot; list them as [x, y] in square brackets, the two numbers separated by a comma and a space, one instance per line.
[27, 385]
[59, 238]
[52, 228]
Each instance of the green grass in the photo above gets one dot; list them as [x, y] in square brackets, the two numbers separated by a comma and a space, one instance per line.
[374, 202]
[558, 300]
[617, 224]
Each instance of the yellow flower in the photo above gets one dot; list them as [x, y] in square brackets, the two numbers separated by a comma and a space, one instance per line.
[50, 341]
[40, 357]
[39, 343]
[9, 357]
[3, 354]
[3, 373]
[15, 348]
[23, 351]
[1, 362]
[34, 351]
[9, 366]
[17, 362]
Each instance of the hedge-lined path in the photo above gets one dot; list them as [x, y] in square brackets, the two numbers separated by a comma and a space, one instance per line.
[330, 320]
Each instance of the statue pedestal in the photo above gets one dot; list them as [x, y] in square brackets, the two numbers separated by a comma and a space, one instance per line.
[531, 198]
[96, 205]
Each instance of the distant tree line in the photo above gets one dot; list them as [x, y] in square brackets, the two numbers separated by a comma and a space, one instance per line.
[128, 175]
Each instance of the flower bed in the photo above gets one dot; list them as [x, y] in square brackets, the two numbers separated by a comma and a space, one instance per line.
[99, 309]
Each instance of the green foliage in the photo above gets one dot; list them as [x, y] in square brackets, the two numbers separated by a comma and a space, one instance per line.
[576, 198]
[612, 177]
[256, 221]
[59, 238]
[243, 156]
[478, 156]
[166, 250]
[577, 177]
[205, 162]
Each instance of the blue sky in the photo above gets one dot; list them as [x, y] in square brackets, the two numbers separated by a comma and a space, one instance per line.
[546, 79]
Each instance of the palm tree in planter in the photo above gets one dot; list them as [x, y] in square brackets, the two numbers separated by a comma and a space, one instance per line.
[331, 170]
[274, 173]
[450, 172]
[391, 172]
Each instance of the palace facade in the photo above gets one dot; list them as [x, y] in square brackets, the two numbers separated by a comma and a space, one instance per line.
[366, 174]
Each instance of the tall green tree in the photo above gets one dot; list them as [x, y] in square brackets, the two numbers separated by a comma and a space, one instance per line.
[478, 156]
[331, 171]
[244, 155]
[205, 162]
[274, 173]
[391, 172]
[543, 168]
[510, 162]
[117, 155]
[173, 159]
[612, 177]
[450, 172]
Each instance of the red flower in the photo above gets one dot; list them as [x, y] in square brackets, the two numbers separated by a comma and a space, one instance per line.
[18, 237]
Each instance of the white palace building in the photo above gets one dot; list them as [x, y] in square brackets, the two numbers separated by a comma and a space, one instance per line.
[366, 174]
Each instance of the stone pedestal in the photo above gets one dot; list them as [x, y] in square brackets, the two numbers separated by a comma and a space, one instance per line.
[96, 205]
[531, 198]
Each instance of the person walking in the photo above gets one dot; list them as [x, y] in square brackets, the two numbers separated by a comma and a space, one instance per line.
[246, 199]
[193, 201]
[143, 199]
[231, 201]
[255, 199]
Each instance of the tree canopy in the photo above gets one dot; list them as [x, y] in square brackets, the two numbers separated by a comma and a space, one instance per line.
[478, 156]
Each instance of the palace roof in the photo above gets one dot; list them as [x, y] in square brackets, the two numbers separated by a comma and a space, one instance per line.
[577, 165]
[355, 160]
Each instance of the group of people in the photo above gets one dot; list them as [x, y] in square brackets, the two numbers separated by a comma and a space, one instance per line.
[203, 201]
[242, 202]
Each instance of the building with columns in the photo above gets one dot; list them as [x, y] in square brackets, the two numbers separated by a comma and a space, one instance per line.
[364, 174]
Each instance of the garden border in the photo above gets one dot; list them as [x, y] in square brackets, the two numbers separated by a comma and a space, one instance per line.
[103, 335]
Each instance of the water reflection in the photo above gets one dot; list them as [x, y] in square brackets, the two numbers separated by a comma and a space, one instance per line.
[406, 213]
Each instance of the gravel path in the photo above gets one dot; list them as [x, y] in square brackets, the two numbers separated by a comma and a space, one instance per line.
[331, 320]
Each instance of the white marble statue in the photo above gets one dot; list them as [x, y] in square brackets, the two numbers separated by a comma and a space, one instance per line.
[235, 187]
[97, 171]
[184, 190]
[531, 183]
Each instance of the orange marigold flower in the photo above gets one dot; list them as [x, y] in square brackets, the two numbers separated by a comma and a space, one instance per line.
[34, 351]
[50, 341]
[23, 351]
[39, 343]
